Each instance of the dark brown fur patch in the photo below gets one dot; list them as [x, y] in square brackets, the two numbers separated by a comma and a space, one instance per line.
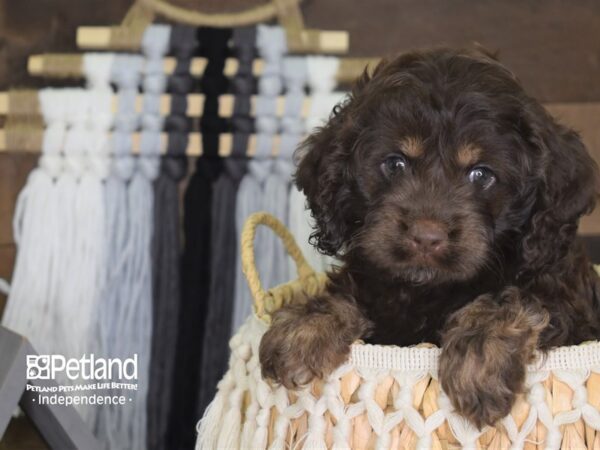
[307, 341]
[487, 345]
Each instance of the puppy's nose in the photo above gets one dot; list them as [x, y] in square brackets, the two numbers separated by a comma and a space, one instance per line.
[428, 236]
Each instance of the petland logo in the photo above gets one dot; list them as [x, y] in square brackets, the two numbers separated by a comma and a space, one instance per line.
[46, 367]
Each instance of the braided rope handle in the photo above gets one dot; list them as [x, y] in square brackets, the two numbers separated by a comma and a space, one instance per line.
[262, 297]
[252, 15]
[128, 35]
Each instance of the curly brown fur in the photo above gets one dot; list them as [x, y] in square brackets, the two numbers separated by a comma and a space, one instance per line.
[451, 199]
[310, 340]
[487, 345]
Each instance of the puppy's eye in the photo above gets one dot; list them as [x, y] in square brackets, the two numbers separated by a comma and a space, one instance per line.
[482, 177]
[393, 163]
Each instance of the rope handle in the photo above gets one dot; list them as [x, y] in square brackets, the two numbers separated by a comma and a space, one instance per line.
[305, 271]
[252, 15]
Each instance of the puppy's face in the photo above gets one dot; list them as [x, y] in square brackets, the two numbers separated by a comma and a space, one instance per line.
[439, 184]
[435, 168]
[433, 208]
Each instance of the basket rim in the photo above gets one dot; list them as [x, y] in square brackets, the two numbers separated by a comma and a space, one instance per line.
[584, 356]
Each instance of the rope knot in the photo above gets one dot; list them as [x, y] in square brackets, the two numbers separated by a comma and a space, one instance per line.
[123, 167]
[267, 124]
[156, 82]
[75, 164]
[148, 166]
[99, 165]
[537, 394]
[52, 164]
[580, 397]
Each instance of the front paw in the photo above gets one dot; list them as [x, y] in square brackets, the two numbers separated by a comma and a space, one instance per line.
[482, 388]
[299, 347]
[487, 346]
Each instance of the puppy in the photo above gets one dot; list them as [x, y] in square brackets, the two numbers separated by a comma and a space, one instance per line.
[452, 200]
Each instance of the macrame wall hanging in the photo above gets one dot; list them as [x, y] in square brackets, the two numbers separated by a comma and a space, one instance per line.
[166, 242]
[126, 76]
[36, 218]
[223, 258]
[100, 182]
[250, 199]
[194, 291]
[222, 238]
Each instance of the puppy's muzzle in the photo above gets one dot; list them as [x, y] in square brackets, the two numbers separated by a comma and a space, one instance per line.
[428, 237]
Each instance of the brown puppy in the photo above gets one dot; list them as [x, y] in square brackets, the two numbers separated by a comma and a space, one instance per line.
[452, 200]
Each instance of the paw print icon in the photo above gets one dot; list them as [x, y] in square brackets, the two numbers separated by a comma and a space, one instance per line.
[38, 367]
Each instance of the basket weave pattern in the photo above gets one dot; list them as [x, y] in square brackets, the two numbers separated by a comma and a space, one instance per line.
[388, 397]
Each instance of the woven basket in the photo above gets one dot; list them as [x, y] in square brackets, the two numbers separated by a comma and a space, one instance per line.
[385, 396]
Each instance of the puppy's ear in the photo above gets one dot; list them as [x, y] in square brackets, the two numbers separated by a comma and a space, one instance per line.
[326, 176]
[568, 187]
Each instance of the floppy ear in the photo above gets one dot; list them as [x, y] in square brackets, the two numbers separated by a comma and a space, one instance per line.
[568, 188]
[326, 176]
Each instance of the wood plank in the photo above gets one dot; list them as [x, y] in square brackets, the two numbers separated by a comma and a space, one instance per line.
[14, 169]
[554, 46]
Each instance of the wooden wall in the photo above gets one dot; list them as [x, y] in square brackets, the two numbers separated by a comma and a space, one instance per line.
[554, 46]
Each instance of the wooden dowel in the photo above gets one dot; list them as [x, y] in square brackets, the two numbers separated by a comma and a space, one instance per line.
[70, 66]
[5, 104]
[323, 41]
[93, 37]
[194, 148]
[52, 64]
[195, 104]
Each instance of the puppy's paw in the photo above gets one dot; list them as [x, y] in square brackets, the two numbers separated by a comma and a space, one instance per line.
[487, 345]
[301, 346]
[482, 389]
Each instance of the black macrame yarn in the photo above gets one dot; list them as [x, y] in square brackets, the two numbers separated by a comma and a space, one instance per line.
[215, 353]
[166, 243]
[196, 258]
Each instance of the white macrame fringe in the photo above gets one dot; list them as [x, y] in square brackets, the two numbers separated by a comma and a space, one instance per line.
[59, 229]
[4, 286]
[321, 81]
[112, 427]
[36, 230]
[137, 316]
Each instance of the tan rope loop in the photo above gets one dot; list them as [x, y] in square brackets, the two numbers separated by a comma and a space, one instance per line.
[314, 285]
[139, 16]
[129, 34]
[265, 301]
[262, 13]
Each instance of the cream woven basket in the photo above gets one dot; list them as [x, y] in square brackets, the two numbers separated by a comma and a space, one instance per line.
[384, 396]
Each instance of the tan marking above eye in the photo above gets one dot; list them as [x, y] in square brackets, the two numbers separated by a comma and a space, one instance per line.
[412, 147]
[467, 155]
